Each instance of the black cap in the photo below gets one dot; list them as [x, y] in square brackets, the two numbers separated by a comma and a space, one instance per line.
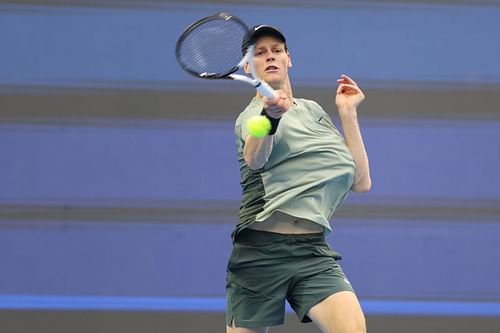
[259, 31]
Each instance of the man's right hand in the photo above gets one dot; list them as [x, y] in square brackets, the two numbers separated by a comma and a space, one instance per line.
[276, 107]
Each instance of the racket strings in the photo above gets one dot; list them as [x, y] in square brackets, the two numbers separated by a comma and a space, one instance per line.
[212, 48]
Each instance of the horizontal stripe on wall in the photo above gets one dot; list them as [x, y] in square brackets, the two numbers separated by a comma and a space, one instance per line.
[370, 307]
[53, 321]
[383, 259]
[109, 47]
[160, 160]
[225, 212]
[264, 3]
[206, 101]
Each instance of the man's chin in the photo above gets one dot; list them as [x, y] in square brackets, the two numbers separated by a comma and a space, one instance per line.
[275, 84]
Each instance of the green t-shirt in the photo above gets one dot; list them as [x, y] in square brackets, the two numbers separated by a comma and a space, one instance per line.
[309, 173]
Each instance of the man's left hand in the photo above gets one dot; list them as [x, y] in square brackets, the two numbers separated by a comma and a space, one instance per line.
[349, 95]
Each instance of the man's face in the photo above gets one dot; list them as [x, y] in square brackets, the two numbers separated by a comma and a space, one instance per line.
[272, 61]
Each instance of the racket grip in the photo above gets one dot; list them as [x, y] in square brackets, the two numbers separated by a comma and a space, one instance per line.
[265, 90]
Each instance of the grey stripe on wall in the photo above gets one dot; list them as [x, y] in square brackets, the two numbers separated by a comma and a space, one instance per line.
[281, 3]
[226, 212]
[80, 106]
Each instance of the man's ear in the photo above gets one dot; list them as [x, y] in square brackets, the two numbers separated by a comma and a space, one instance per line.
[246, 67]
[289, 59]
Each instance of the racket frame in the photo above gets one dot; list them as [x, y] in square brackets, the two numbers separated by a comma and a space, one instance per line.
[260, 85]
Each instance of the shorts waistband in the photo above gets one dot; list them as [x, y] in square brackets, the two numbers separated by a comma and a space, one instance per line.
[258, 236]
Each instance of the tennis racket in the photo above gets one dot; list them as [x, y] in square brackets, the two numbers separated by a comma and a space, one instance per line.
[211, 48]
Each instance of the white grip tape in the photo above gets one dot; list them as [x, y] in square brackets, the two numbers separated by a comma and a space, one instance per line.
[265, 90]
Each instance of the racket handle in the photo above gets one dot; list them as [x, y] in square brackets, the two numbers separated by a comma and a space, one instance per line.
[265, 90]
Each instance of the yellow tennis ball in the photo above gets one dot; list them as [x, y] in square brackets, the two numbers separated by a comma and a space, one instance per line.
[258, 126]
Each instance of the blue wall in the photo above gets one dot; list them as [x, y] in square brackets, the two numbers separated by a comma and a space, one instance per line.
[135, 47]
[427, 164]
[183, 160]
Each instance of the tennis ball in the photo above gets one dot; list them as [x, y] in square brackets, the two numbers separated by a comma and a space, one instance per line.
[258, 126]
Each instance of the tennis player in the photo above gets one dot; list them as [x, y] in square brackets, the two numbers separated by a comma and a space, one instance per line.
[292, 182]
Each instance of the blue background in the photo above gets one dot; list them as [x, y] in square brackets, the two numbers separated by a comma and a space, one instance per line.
[441, 249]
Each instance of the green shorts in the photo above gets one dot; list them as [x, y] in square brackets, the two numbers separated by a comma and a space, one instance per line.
[265, 268]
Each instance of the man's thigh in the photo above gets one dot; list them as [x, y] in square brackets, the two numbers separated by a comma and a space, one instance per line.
[316, 279]
[339, 313]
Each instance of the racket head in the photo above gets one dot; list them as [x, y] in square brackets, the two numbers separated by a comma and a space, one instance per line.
[210, 48]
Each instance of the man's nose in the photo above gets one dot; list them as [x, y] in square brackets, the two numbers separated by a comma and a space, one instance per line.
[270, 57]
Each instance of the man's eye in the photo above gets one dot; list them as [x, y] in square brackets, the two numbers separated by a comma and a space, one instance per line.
[278, 50]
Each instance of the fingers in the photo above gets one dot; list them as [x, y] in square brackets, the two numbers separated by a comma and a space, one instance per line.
[349, 89]
[280, 95]
[347, 86]
[276, 107]
[275, 110]
[346, 79]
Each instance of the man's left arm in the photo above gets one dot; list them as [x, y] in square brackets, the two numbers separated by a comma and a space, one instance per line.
[348, 97]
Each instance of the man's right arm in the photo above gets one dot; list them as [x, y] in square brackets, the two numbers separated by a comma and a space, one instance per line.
[257, 151]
